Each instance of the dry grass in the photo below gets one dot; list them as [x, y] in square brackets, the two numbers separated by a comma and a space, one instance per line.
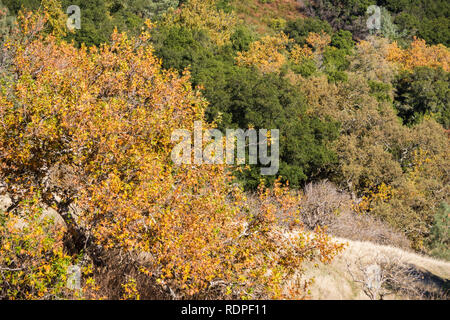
[324, 205]
[410, 275]
[258, 14]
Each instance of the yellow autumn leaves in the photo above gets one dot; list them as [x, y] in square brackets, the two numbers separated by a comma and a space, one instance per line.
[420, 54]
[270, 53]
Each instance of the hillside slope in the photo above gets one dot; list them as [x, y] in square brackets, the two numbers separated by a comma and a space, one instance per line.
[407, 275]
[415, 274]
[260, 15]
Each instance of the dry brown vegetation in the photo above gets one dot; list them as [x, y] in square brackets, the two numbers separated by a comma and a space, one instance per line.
[404, 275]
[324, 204]
[259, 15]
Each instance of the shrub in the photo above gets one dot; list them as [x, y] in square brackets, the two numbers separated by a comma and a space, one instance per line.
[325, 206]
[347, 15]
[424, 91]
[33, 264]
[440, 234]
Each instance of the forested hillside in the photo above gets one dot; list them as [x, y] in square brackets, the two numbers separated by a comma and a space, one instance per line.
[87, 116]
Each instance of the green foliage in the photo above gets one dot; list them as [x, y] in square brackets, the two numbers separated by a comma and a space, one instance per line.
[429, 18]
[389, 29]
[152, 8]
[277, 24]
[99, 17]
[181, 47]
[300, 28]
[33, 264]
[347, 15]
[440, 233]
[424, 91]
[242, 38]
[96, 23]
[333, 102]
[343, 40]
[6, 20]
[223, 5]
[15, 5]
[334, 60]
[436, 30]
[307, 68]
[242, 97]
[93, 128]
[335, 63]
[380, 90]
[269, 101]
